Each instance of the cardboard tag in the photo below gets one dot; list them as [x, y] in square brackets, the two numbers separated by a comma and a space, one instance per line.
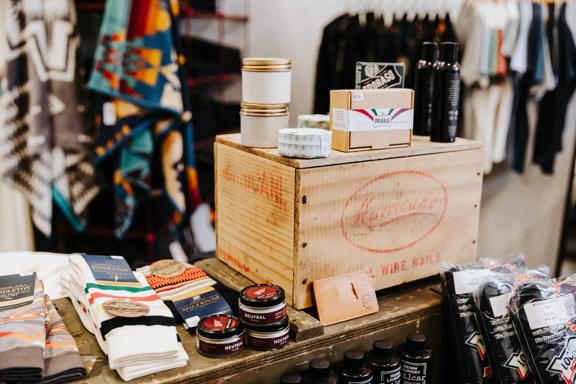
[167, 268]
[110, 269]
[203, 303]
[16, 290]
[125, 308]
[345, 297]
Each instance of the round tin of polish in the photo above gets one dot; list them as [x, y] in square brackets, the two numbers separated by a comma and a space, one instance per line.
[262, 305]
[267, 338]
[219, 336]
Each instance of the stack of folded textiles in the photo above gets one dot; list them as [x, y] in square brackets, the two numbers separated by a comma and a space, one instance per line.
[35, 346]
[136, 346]
[192, 280]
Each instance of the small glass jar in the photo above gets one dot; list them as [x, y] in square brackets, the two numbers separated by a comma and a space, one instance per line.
[266, 80]
[260, 123]
[219, 336]
[262, 305]
[270, 337]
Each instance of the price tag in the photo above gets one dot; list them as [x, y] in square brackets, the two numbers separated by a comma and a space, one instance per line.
[126, 308]
[167, 268]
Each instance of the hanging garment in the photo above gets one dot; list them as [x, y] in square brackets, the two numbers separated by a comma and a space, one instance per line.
[522, 63]
[346, 41]
[554, 104]
[44, 143]
[139, 66]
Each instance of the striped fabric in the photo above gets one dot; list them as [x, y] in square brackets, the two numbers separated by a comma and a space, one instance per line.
[185, 285]
[22, 340]
[135, 346]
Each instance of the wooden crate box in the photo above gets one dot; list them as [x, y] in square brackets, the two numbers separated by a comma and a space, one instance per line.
[396, 213]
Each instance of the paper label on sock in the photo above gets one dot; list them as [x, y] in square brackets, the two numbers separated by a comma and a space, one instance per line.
[201, 305]
[16, 290]
[499, 304]
[110, 269]
[550, 312]
[467, 281]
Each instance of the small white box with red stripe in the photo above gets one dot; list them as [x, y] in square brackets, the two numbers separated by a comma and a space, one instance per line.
[371, 119]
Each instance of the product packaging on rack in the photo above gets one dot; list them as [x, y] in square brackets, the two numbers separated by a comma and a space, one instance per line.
[459, 284]
[371, 119]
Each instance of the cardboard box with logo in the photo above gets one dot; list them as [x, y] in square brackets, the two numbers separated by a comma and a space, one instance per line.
[395, 213]
[367, 119]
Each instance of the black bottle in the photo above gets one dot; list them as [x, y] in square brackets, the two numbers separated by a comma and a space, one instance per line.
[384, 363]
[416, 360]
[446, 105]
[424, 89]
[353, 369]
[292, 378]
[320, 372]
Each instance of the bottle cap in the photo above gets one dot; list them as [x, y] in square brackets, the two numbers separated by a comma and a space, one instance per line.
[415, 342]
[383, 349]
[449, 52]
[291, 378]
[353, 359]
[429, 51]
[319, 368]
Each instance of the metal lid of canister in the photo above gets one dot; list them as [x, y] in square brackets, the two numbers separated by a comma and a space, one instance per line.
[253, 109]
[266, 64]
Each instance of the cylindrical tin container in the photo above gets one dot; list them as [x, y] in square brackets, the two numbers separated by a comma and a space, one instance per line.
[266, 80]
[259, 124]
[219, 336]
[262, 305]
[268, 337]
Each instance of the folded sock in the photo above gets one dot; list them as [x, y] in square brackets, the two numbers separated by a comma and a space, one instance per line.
[62, 362]
[135, 346]
[169, 288]
[22, 339]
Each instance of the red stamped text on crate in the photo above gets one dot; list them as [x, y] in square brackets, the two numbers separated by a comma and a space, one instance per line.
[263, 183]
[240, 265]
[394, 211]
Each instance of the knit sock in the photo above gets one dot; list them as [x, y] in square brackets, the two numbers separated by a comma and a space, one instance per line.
[168, 288]
[135, 346]
[62, 361]
[22, 338]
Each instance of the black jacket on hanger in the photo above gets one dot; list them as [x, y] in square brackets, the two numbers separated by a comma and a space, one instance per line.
[554, 105]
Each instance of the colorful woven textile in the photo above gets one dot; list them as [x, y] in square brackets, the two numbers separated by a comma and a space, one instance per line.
[139, 68]
[44, 143]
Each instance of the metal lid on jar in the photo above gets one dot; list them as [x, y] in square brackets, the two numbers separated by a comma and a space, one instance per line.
[262, 295]
[266, 64]
[252, 109]
[219, 327]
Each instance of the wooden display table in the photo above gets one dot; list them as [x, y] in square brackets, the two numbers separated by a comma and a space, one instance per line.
[402, 310]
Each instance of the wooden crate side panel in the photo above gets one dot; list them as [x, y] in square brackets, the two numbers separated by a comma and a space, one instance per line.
[398, 218]
[255, 216]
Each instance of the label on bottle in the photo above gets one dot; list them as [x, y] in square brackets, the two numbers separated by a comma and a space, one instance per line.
[392, 376]
[414, 373]
[453, 103]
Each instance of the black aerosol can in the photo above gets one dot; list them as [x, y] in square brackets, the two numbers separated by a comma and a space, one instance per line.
[446, 105]
[424, 89]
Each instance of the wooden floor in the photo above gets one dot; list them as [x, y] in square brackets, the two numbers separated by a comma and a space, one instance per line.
[402, 310]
